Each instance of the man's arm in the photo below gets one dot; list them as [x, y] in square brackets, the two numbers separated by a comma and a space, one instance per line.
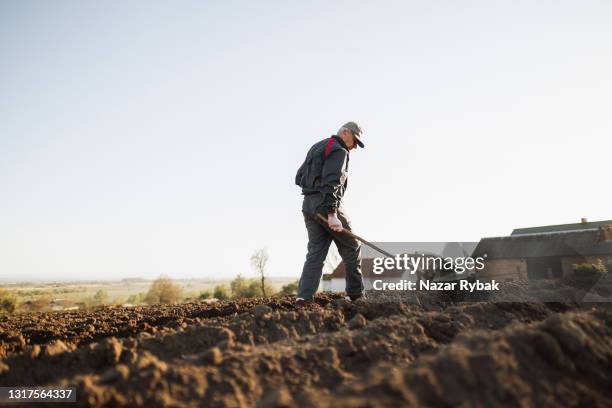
[331, 180]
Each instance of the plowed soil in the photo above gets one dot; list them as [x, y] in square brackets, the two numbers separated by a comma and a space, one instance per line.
[386, 351]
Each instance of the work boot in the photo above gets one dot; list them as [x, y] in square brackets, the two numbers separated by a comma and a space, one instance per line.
[307, 304]
[356, 298]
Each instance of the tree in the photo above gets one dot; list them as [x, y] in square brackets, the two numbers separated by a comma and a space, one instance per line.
[205, 295]
[259, 260]
[163, 290]
[220, 292]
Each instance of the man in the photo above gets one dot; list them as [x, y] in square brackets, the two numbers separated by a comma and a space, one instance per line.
[323, 179]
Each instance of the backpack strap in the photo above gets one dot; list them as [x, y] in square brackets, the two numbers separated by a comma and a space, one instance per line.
[329, 145]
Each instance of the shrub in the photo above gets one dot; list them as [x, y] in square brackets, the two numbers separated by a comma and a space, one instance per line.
[205, 295]
[249, 288]
[608, 264]
[163, 290]
[137, 298]
[8, 301]
[256, 290]
[221, 292]
[600, 267]
[590, 269]
[290, 288]
[40, 304]
[239, 287]
[100, 298]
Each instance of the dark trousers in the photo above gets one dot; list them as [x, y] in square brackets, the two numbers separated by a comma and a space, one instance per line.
[319, 240]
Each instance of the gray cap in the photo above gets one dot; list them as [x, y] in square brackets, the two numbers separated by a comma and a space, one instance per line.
[357, 132]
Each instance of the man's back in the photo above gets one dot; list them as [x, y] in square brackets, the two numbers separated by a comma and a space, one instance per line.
[325, 171]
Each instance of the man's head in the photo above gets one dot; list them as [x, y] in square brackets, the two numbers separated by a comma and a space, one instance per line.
[351, 133]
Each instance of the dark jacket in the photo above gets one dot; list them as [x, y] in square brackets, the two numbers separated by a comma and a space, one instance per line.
[325, 172]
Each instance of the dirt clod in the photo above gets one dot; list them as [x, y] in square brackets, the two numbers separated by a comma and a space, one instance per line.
[357, 322]
[56, 347]
[261, 311]
[213, 356]
[119, 372]
[277, 398]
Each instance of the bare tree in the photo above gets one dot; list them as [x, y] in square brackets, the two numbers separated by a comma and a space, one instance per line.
[259, 260]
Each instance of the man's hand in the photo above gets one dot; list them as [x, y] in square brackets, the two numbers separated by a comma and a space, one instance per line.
[334, 223]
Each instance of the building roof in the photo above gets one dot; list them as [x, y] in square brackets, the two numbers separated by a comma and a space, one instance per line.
[561, 228]
[571, 243]
[367, 267]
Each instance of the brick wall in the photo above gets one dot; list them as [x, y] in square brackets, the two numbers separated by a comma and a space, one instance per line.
[504, 270]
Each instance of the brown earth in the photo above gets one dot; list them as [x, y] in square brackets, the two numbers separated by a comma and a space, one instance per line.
[387, 351]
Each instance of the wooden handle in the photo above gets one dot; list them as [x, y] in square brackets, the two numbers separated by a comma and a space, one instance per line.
[354, 236]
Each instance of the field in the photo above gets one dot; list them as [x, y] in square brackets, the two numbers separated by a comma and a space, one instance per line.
[116, 292]
[392, 349]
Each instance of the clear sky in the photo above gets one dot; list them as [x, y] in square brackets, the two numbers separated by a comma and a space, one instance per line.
[142, 138]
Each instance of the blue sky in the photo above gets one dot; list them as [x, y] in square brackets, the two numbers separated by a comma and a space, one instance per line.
[145, 138]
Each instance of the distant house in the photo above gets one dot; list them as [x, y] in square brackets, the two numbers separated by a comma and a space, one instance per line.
[545, 252]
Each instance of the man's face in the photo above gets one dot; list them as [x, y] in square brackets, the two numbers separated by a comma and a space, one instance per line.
[349, 139]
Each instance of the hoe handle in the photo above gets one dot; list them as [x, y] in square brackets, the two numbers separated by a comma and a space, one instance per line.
[323, 221]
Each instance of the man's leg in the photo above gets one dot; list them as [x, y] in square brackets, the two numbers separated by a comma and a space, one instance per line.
[350, 251]
[319, 240]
